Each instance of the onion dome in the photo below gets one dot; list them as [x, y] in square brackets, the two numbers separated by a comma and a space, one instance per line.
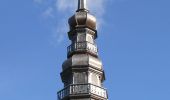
[82, 18]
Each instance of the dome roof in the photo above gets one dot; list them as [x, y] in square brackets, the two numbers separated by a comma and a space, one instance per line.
[82, 19]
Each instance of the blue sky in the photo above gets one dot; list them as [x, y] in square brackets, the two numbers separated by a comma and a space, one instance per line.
[134, 45]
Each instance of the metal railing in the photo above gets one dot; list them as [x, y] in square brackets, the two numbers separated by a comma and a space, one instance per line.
[77, 89]
[82, 46]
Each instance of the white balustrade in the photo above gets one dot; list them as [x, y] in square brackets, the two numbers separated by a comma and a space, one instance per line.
[80, 46]
[78, 89]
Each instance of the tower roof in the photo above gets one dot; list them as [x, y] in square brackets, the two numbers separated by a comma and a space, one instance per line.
[82, 17]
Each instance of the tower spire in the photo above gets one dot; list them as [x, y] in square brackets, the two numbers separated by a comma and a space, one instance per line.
[82, 72]
[82, 5]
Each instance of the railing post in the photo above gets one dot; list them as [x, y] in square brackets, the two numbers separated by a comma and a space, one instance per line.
[89, 88]
[70, 88]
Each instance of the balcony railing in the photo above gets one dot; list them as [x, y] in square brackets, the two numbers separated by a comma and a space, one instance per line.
[82, 46]
[78, 89]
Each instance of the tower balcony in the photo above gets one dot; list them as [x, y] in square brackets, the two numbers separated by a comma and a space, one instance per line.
[79, 47]
[84, 90]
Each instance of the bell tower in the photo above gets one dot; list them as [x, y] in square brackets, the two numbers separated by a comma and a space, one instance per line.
[82, 73]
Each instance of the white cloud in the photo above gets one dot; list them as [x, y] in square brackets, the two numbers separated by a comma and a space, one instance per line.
[61, 31]
[66, 8]
[97, 7]
[48, 12]
[66, 5]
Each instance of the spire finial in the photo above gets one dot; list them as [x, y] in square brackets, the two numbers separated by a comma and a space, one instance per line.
[82, 5]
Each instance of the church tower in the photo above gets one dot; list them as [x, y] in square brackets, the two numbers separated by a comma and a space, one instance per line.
[82, 73]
